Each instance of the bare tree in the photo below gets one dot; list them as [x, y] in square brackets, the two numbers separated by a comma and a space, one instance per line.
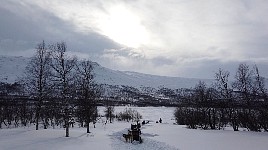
[243, 82]
[225, 90]
[200, 96]
[258, 83]
[260, 95]
[109, 112]
[63, 77]
[222, 83]
[37, 78]
[87, 93]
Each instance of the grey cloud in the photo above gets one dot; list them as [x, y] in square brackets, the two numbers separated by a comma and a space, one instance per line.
[162, 61]
[206, 68]
[21, 31]
[125, 52]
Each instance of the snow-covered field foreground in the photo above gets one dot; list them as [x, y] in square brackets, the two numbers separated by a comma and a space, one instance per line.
[165, 136]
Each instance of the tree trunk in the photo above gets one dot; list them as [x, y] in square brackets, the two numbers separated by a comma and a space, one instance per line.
[87, 123]
[45, 123]
[88, 128]
[67, 128]
[67, 122]
[37, 122]
[110, 114]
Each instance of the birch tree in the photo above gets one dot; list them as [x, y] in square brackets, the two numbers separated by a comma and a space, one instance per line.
[63, 79]
[37, 80]
[87, 93]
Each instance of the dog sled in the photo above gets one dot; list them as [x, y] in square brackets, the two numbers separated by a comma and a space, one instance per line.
[133, 134]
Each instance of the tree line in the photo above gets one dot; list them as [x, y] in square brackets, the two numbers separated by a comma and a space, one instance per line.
[57, 90]
[242, 102]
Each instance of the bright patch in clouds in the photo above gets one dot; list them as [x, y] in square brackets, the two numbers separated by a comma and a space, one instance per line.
[114, 20]
[124, 27]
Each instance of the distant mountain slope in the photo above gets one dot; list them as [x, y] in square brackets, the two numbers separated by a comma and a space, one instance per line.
[13, 67]
[134, 79]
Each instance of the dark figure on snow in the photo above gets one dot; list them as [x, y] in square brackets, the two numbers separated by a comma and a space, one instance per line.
[160, 120]
[143, 122]
[138, 125]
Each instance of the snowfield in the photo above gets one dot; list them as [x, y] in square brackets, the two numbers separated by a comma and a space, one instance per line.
[164, 136]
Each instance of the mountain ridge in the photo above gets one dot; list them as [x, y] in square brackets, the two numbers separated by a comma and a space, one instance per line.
[13, 67]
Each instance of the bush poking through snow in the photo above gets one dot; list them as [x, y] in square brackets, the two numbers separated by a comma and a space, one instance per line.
[129, 114]
[109, 113]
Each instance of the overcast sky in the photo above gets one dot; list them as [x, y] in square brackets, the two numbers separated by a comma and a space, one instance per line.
[185, 38]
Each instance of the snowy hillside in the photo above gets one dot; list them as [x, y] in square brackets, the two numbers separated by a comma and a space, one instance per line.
[13, 67]
[134, 79]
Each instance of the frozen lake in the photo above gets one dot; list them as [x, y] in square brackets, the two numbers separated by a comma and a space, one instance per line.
[149, 113]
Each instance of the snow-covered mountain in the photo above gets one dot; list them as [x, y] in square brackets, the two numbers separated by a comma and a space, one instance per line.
[11, 68]
[134, 79]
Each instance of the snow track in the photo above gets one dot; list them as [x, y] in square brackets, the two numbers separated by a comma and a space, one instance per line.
[119, 143]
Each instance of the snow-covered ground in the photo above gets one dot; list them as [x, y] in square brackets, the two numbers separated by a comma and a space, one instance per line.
[165, 136]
